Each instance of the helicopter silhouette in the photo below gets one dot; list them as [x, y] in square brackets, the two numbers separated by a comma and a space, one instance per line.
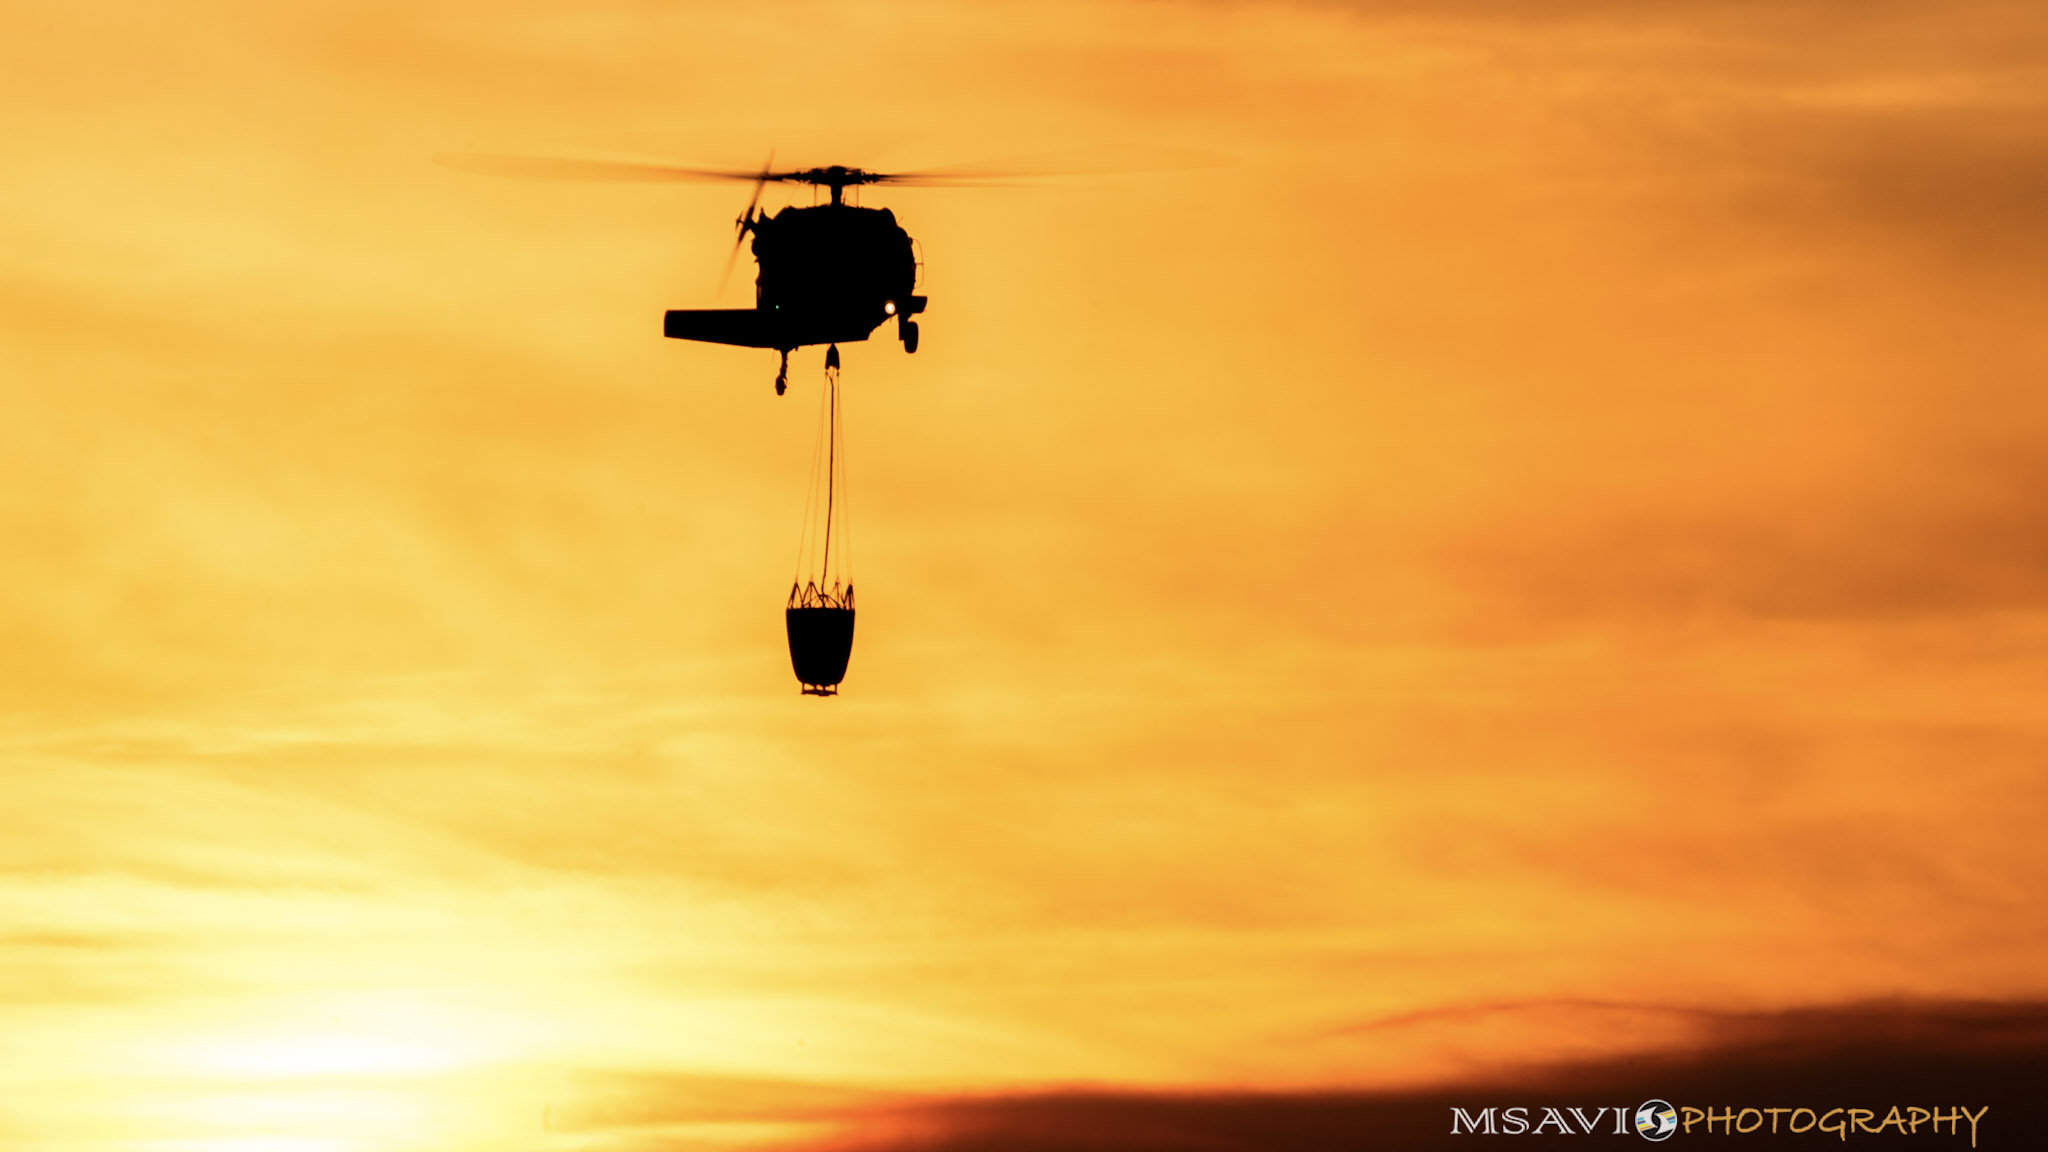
[829, 273]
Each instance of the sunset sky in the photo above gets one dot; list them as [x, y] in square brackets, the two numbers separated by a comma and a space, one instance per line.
[1541, 551]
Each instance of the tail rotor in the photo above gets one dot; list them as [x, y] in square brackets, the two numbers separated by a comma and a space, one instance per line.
[746, 220]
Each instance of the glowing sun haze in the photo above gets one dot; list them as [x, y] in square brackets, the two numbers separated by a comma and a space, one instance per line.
[1546, 544]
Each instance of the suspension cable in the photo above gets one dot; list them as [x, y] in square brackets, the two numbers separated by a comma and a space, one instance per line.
[831, 464]
[827, 585]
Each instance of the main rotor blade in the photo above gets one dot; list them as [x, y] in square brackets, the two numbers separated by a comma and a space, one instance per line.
[558, 168]
[1069, 162]
[1073, 162]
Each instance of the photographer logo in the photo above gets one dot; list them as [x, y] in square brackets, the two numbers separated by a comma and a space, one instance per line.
[1656, 1120]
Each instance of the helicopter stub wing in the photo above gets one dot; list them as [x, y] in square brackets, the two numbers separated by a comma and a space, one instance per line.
[745, 327]
[765, 328]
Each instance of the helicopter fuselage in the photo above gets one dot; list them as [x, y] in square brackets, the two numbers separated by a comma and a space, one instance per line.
[829, 274]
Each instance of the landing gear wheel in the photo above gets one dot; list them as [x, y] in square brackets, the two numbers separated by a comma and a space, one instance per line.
[782, 374]
[907, 329]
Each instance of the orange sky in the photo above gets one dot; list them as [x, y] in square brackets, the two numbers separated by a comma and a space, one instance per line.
[1547, 543]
